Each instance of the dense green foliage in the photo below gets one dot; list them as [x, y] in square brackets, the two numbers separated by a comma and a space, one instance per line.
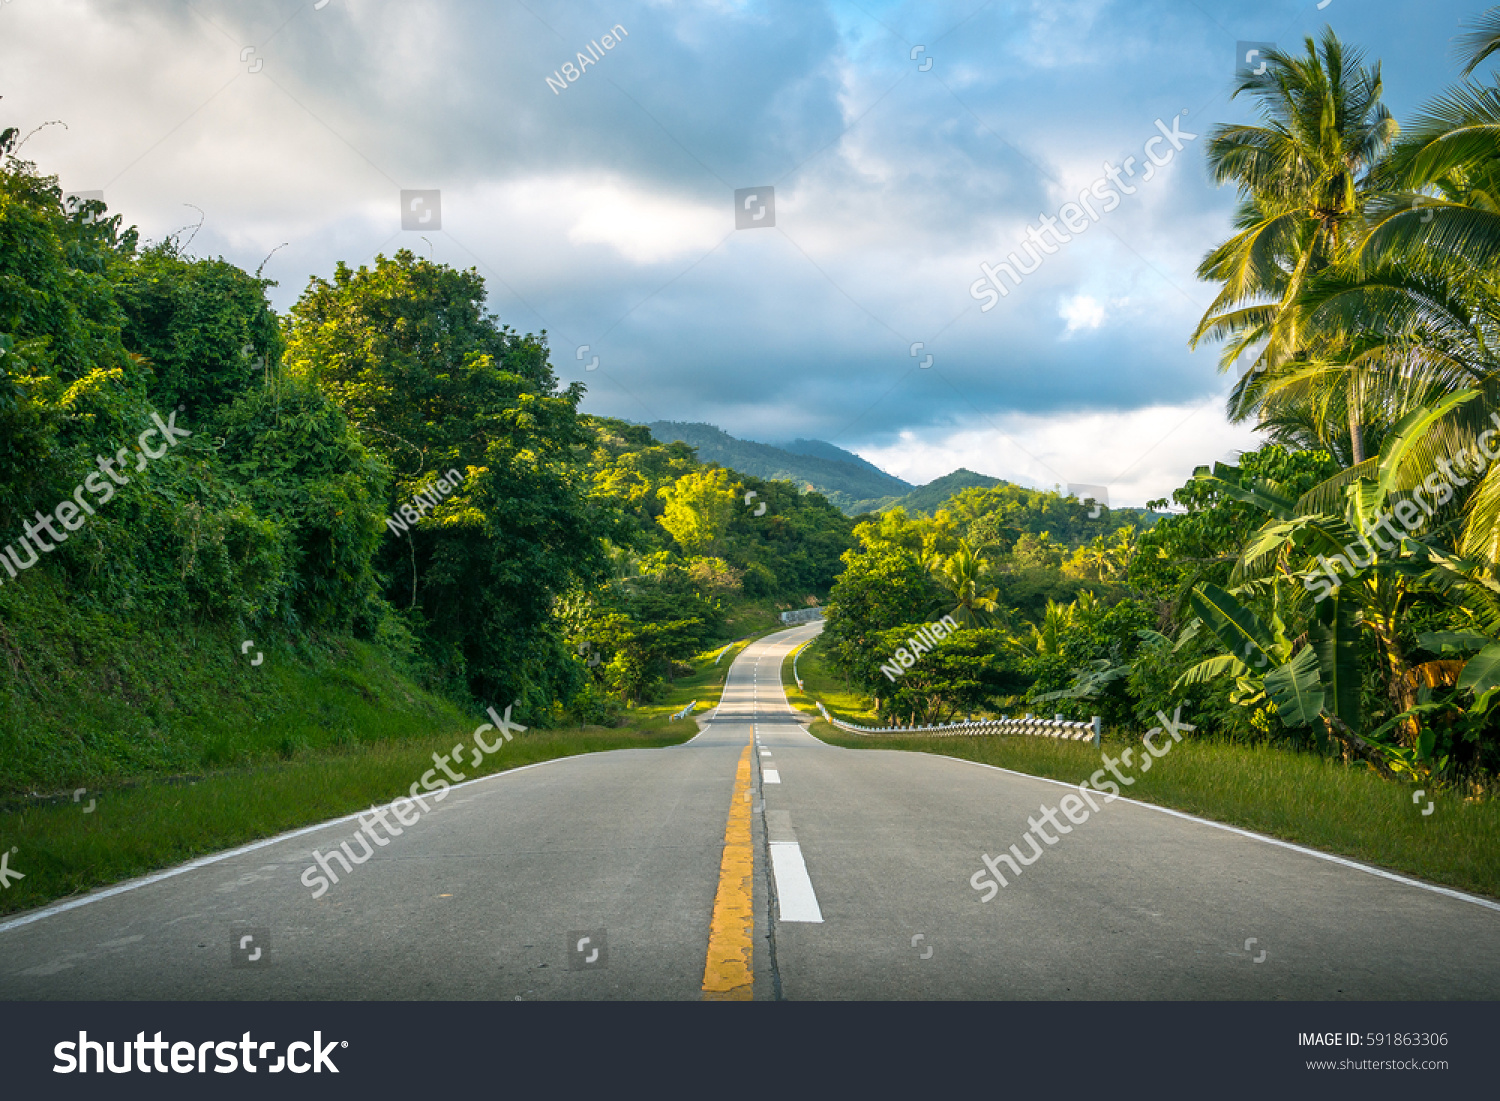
[990, 561]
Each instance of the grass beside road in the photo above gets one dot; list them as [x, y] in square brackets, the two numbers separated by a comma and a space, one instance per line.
[843, 700]
[150, 824]
[1299, 797]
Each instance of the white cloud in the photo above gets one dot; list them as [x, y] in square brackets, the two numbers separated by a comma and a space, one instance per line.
[645, 228]
[1139, 455]
[1081, 312]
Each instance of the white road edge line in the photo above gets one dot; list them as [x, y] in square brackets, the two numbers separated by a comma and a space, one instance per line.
[795, 898]
[205, 861]
[1345, 861]
[770, 776]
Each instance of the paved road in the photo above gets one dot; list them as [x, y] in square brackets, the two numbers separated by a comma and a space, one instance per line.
[757, 861]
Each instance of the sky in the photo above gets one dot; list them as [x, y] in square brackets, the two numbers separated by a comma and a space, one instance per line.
[889, 150]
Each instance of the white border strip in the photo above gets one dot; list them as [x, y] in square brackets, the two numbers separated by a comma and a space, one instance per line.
[1366, 868]
[205, 861]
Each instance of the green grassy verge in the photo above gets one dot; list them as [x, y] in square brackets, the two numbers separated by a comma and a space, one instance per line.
[821, 683]
[1299, 797]
[90, 699]
[144, 825]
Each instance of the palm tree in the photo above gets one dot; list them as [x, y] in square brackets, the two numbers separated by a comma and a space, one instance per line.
[961, 574]
[1304, 177]
[1417, 297]
[1481, 40]
[1057, 622]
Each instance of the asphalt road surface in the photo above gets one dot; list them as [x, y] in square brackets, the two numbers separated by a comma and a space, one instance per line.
[757, 862]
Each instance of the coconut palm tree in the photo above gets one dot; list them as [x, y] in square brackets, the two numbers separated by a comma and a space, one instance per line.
[1417, 301]
[962, 574]
[1304, 174]
[1480, 40]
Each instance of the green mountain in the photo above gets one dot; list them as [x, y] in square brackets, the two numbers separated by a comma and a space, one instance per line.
[853, 485]
[931, 497]
[849, 482]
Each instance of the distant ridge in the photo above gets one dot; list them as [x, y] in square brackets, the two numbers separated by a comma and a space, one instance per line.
[849, 482]
[931, 497]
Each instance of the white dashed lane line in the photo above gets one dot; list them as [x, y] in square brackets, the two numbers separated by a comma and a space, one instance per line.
[795, 898]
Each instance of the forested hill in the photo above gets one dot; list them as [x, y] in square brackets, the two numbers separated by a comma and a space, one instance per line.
[929, 498]
[844, 478]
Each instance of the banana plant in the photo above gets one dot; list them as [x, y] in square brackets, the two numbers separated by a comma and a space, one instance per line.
[1310, 680]
[1264, 662]
[1338, 543]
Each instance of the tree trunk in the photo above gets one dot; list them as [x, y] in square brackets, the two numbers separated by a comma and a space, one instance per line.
[1356, 430]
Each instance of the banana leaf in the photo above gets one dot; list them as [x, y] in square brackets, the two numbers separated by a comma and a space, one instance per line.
[1240, 630]
[1296, 690]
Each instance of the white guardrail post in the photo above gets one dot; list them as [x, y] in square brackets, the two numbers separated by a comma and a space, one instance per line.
[1091, 731]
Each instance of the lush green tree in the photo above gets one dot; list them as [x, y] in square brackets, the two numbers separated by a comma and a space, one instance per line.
[1204, 542]
[204, 327]
[1088, 658]
[698, 508]
[295, 460]
[882, 583]
[962, 574]
[431, 383]
[965, 672]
